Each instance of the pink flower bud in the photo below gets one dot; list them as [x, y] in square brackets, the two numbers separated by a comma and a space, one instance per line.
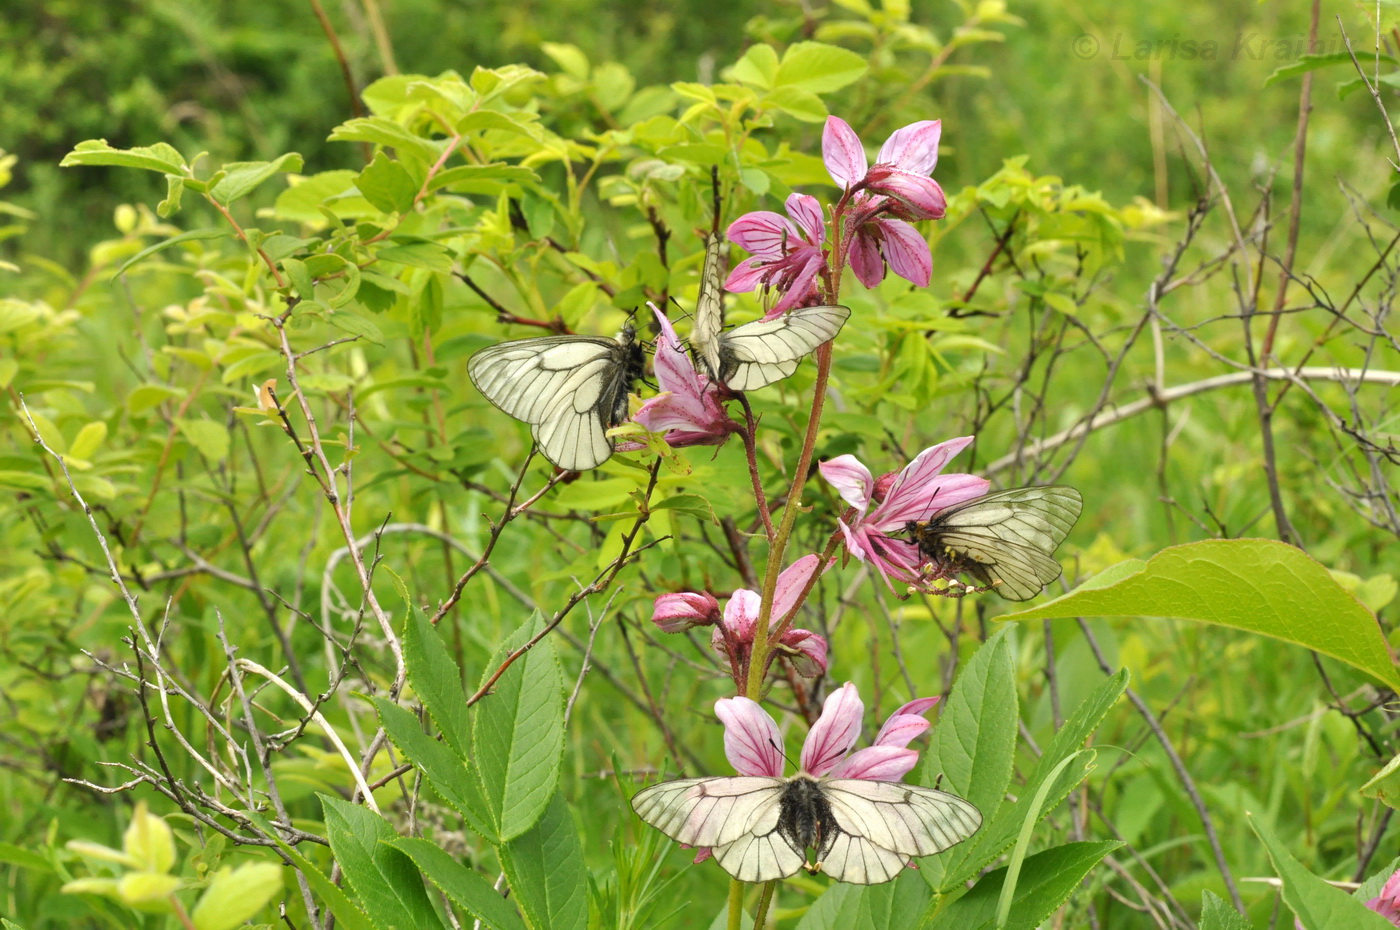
[674, 613]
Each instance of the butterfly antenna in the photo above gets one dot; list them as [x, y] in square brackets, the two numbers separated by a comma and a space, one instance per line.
[715, 197]
[781, 753]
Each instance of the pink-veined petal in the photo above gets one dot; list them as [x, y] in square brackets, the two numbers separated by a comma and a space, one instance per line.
[806, 210]
[917, 197]
[913, 490]
[763, 233]
[1387, 903]
[704, 853]
[806, 650]
[914, 147]
[907, 252]
[877, 763]
[893, 558]
[842, 152]
[905, 723]
[790, 583]
[741, 614]
[850, 478]
[855, 544]
[748, 274]
[751, 738]
[866, 260]
[799, 276]
[835, 731]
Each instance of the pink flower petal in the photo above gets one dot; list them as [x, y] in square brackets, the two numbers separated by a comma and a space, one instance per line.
[748, 274]
[913, 491]
[790, 584]
[855, 541]
[763, 233]
[842, 152]
[807, 652]
[914, 147]
[905, 724]
[877, 763]
[807, 211]
[907, 252]
[919, 197]
[867, 262]
[704, 853]
[799, 278]
[850, 478]
[834, 733]
[751, 738]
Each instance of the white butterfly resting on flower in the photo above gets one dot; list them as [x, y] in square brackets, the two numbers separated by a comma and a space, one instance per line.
[864, 824]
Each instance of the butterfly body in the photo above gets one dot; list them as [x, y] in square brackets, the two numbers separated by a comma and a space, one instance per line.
[570, 389]
[759, 828]
[1005, 539]
[755, 354]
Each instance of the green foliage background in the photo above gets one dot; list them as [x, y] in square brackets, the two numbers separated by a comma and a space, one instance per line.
[123, 374]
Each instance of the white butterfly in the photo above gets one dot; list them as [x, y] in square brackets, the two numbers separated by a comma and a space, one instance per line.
[1005, 539]
[759, 828]
[570, 389]
[755, 354]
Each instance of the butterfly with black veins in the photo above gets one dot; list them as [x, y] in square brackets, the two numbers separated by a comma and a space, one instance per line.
[1005, 539]
[570, 389]
[759, 828]
[755, 354]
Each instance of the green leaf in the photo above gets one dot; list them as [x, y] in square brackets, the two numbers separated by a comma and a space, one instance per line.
[758, 67]
[974, 742]
[210, 438]
[1047, 880]
[1217, 914]
[1256, 585]
[148, 396]
[382, 877]
[890, 906]
[693, 504]
[159, 157]
[387, 184]
[88, 441]
[518, 734]
[420, 254]
[24, 858]
[15, 314]
[819, 68]
[174, 192]
[468, 889]
[236, 895]
[337, 902]
[242, 177]
[296, 272]
[966, 860]
[1317, 904]
[1306, 63]
[356, 325]
[482, 178]
[380, 131]
[191, 236]
[438, 683]
[569, 58]
[802, 105]
[448, 774]
[1385, 785]
[545, 870]
[302, 201]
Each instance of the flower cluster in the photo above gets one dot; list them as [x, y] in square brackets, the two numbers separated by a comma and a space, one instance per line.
[688, 408]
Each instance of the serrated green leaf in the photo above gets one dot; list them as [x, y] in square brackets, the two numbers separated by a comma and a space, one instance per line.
[1256, 585]
[1317, 904]
[427, 255]
[758, 67]
[518, 734]
[1217, 914]
[241, 178]
[438, 683]
[159, 157]
[482, 178]
[1047, 880]
[545, 870]
[693, 504]
[380, 131]
[337, 902]
[802, 105]
[448, 774]
[357, 325]
[890, 906]
[468, 889]
[1306, 63]
[192, 236]
[383, 878]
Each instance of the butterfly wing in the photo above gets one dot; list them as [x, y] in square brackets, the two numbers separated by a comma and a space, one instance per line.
[1005, 539]
[735, 816]
[882, 825]
[568, 389]
[757, 354]
[709, 308]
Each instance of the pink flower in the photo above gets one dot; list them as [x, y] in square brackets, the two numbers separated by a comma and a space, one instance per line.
[754, 747]
[674, 613]
[1387, 903]
[916, 493]
[901, 170]
[787, 254]
[733, 636]
[898, 184]
[688, 408]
